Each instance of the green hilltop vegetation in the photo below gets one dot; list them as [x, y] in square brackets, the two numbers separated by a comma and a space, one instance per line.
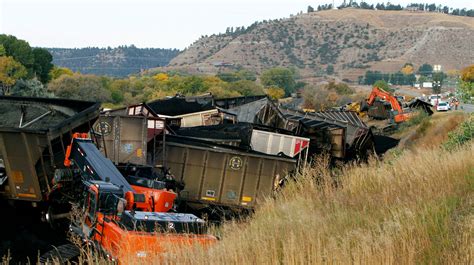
[119, 61]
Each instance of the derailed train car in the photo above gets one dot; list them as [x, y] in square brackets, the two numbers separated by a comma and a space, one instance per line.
[34, 133]
[339, 133]
[221, 175]
[213, 175]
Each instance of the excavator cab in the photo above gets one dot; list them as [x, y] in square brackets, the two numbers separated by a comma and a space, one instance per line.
[129, 235]
[100, 198]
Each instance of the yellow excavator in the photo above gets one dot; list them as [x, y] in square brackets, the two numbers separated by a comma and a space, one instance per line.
[357, 108]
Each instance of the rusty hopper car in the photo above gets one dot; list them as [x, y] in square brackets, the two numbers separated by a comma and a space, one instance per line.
[33, 135]
[130, 131]
[218, 175]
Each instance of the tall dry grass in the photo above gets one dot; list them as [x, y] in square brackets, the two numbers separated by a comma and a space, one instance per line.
[417, 208]
[431, 131]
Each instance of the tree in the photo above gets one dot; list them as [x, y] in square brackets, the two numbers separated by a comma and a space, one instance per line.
[245, 88]
[438, 78]
[36, 61]
[422, 79]
[279, 77]
[330, 69]
[340, 88]
[193, 85]
[29, 88]
[161, 77]
[20, 50]
[425, 70]
[310, 9]
[236, 76]
[275, 92]
[383, 85]
[3, 52]
[83, 87]
[10, 72]
[467, 74]
[59, 71]
[365, 5]
[466, 84]
[42, 64]
[408, 69]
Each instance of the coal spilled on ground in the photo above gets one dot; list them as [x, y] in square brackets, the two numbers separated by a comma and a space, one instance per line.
[24, 234]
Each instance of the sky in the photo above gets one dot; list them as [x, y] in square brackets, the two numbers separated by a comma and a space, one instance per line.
[144, 23]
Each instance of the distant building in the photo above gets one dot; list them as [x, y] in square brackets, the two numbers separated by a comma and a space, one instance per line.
[412, 8]
[427, 84]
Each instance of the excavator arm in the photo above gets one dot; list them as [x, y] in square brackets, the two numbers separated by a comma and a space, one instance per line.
[377, 92]
[380, 93]
[84, 156]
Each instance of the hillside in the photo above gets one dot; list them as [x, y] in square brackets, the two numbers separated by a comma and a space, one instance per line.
[120, 61]
[352, 40]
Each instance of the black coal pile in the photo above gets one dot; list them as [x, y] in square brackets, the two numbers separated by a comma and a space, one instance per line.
[28, 116]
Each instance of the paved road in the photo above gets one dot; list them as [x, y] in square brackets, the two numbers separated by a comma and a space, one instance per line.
[416, 93]
[468, 107]
[410, 92]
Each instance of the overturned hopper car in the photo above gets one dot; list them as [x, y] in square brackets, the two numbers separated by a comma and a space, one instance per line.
[34, 133]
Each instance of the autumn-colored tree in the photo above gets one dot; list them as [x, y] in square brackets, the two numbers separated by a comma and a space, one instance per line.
[453, 73]
[467, 74]
[161, 77]
[275, 92]
[20, 50]
[408, 69]
[59, 71]
[466, 86]
[10, 72]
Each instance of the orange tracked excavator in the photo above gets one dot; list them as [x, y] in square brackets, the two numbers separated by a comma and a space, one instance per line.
[399, 115]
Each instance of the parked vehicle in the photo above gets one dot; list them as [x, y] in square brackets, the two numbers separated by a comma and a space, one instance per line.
[443, 106]
[434, 99]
